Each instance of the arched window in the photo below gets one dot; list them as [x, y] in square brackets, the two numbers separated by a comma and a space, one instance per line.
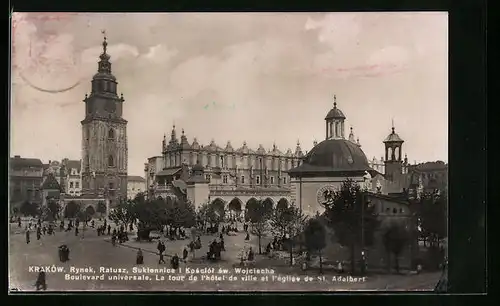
[389, 153]
[397, 154]
[110, 161]
[111, 133]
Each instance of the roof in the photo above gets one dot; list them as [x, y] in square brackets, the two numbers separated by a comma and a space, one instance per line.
[51, 183]
[334, 155]
[432, 166]
[335, 113]
[73, 164]
[19, 162]
[180, 184]
[393, 137]
[197, 179]
[168, 172]
[136, 178]
[396, 198]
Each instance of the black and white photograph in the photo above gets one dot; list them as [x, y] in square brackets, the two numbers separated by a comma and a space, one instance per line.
[228, 152]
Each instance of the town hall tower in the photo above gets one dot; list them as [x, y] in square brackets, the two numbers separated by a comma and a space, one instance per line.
[104, 137]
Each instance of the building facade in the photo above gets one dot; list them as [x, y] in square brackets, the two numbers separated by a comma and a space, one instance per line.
[153, 166]
[25, 179]
[73, 177]
[104, 137]
[231, 176]
[135, 185]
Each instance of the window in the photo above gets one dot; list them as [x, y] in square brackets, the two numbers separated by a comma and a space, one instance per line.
[77, 184]
[111, 133]
[257, 179]
[224, 179]
[400, 210]
[394, 210]
[272, 180]
[284, 180]
[110, 161]
[207, 177]
[243, 179]
[70, 184]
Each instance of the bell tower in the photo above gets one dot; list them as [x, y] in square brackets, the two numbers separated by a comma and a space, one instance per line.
[393, 152]
[104, 137]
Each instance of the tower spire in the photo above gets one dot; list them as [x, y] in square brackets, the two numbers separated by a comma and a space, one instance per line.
[334, 101]
[393, 128]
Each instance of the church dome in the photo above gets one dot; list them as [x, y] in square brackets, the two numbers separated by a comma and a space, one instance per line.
[335, 113]
[337, 155]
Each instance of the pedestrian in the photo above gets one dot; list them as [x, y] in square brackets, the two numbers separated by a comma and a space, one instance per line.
[250, 255]
[41, 282]
[113, 240]
[161, 258]
[38, 234]
[159, 247]
[76, 231]
[140, 258]
[27, 236]
[247, 237]
[44, 230]
[222, 244]
[19, 222]
[109, 227]
[175, 262]
[185, 254]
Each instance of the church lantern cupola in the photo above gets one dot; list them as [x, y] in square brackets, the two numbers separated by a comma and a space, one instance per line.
[335, 122]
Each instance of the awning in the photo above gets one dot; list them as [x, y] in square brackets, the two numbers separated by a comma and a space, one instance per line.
[168, 172]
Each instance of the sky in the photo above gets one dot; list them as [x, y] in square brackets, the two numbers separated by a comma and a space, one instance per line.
[262, 78]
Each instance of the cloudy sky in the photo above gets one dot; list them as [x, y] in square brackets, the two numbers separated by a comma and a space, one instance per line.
[259, 78]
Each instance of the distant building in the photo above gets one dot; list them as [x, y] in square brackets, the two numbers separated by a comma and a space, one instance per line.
[154, 165]
[25, 179]
[73, 177]
[135, 185]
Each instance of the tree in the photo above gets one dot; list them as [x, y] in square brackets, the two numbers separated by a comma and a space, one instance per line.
[182, 214]
[352, 218]
[124, 212]
[72, 209]
[90, 211]
[395, 238]
[315, 238]
[53, 207]
[432, 214]
[259, 217]
[288, 221]
[101, 208]
[152, 215]
[29, 209]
